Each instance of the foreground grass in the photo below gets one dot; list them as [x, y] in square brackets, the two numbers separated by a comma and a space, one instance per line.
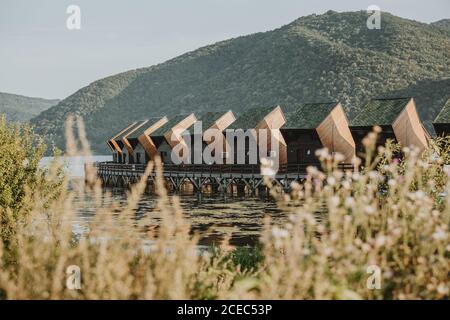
[383, 233]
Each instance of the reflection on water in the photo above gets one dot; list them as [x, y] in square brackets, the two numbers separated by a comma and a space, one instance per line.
[74, 166]
[212, 217]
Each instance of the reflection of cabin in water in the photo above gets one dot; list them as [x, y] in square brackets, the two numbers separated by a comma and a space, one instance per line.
[169, 135]
[442, 122]
[313, 126]
[398, 119]
[270, 119]
[138, 141]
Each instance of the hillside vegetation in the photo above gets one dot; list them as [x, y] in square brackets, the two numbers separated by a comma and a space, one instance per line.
[20, 108]
[316, 58]
[443, 24]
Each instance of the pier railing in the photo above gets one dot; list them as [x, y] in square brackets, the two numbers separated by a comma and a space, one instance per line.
[205, 168]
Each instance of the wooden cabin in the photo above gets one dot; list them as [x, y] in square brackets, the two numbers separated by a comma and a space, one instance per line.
[442, 122]
[211, 123]
[398, 119]
[270, 119]
[117, 145]
[137, 142]
[169, 135]
[314, 126]
[129, 144]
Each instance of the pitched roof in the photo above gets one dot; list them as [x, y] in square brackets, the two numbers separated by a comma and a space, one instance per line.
[307, 115]
[130, 129]
[122, 131]
[250, 118]
[173, 121]
[379, 112]
[140, 131]
[444, 114]
[207, 119]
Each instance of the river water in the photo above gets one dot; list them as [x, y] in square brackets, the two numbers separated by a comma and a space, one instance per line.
[212, 216]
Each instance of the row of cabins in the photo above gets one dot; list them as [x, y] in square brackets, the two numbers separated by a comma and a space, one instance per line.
[298, 131]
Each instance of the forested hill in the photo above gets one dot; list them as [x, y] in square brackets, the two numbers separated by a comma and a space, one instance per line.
[444, 24]
[316, 58]
[21, 108]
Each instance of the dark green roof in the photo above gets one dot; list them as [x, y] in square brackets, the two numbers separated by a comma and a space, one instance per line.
[137, 133]
[250, 118]
[124, 128]
[307, 115]
[173, 121]
[379, 112]
[207, 119]
[129, 130]
[444, 114]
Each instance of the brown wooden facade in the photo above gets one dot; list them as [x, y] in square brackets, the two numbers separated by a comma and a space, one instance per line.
[398, 120]
[328, 128]
[298, 132]
[117, 145]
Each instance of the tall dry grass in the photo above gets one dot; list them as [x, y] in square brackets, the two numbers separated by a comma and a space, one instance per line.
[392, 216]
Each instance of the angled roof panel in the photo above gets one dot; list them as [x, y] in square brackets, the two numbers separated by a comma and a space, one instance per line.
[208, 119]
[444, 114]
[308, 115]
[140, 131]
[129, 130]
[173, 121]
[381, 112]
[250, 118]
[114, 142]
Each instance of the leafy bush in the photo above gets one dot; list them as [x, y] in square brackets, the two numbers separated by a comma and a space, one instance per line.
[21, 179]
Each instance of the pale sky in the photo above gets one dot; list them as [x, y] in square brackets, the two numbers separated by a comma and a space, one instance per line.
[40, 57]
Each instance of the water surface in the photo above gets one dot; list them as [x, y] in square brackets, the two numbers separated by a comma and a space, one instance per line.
[212, 216]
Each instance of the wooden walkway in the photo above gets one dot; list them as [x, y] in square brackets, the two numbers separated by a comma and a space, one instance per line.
[225, 178]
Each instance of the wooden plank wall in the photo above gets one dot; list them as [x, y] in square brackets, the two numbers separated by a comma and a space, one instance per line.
[334, 133]
[113, 142]
[273, 122]
[408, 128]
[221, 124]
[145, 140]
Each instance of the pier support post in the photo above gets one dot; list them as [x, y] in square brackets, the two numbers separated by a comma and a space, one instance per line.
[240, 189]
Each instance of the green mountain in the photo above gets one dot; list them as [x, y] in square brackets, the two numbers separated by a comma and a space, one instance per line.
[317, 58]
[443, 24]
[21, 108]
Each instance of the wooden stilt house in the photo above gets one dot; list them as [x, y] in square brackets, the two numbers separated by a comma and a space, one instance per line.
[314, 126]
[167, 136]
[212, 123]
[398, 119]
[117, 145]
[138, 140]
[442, 122]
[270, 119]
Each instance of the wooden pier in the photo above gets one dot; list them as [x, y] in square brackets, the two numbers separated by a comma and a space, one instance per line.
[240, 179]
